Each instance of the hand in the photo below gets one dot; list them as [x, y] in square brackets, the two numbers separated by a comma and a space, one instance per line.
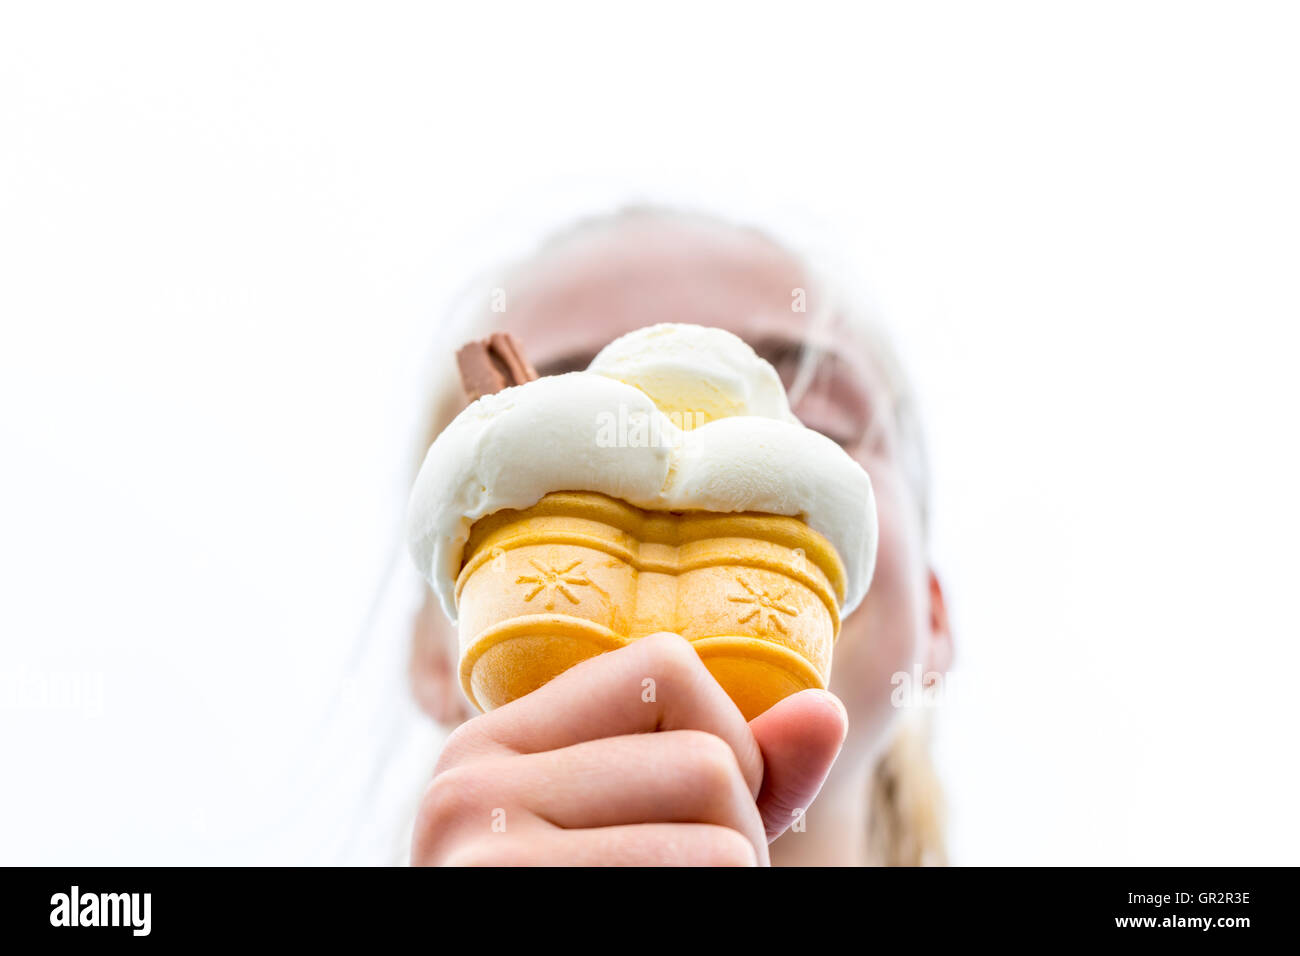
[584, 771]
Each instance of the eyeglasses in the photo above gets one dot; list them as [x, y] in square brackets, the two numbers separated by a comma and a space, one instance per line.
[828, 392]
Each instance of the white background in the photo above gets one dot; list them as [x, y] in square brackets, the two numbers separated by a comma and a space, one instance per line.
[226, 239]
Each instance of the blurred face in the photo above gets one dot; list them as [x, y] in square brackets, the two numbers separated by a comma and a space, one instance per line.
[601, 285]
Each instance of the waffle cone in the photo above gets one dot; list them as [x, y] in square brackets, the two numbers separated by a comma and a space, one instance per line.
[579, 573]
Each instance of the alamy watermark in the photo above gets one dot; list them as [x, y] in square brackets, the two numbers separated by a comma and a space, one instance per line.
[76, 908]
[26, 689]
[920, 690]
[635, 429]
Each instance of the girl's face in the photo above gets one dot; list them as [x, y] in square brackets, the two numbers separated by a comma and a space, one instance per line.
[597, 287]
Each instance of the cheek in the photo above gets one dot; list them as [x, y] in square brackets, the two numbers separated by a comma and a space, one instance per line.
[885, 635]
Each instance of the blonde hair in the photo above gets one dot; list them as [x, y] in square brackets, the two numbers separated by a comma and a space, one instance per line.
[905, 818]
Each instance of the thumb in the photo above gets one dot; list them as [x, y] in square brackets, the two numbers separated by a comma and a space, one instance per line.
[800, 737]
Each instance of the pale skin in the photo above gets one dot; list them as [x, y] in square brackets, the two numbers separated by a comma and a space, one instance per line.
[585, 771]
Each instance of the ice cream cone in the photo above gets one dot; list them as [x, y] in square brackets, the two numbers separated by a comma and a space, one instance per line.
[580, 573]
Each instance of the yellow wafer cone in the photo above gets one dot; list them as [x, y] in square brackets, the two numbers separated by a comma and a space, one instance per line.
[579, 573]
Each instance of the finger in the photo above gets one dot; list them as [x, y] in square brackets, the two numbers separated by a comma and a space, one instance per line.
[646, 844]
[463, 805]
[682, 776]
[800, 737]
[654, 683]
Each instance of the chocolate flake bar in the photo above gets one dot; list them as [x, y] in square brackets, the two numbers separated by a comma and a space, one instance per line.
[491, 364]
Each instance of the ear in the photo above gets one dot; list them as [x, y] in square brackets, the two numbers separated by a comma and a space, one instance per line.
[939, 650]
[434, 681]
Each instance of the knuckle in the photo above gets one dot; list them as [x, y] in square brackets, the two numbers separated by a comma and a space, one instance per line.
[447, 803]
[710, 761]
[459, 812]
[672, 656]
[480, 853]
[460, 743]
[729, 847]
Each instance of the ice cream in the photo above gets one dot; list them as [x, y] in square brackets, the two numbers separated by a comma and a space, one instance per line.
[667, 487]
